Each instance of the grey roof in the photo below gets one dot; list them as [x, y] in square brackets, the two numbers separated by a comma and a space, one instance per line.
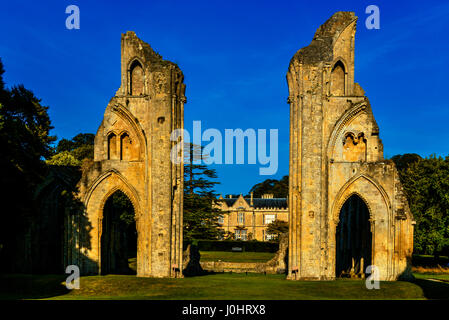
[230, 201]
[260, 203]
[280, 203]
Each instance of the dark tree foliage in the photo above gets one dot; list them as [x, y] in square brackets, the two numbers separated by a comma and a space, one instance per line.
[25, 140]
[277, 227]
[279, 188]
[81, 146]
[122, 204]
[402, 161]
[426, 184]
[125, 212]
[200, 215]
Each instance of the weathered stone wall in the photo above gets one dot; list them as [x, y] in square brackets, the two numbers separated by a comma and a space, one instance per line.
[335, 152]
[132, 154]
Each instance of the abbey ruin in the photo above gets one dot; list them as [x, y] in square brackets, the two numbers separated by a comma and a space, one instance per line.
[346, 207]
[132, 154]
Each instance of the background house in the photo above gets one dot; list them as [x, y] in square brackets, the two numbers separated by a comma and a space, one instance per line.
[248, 218]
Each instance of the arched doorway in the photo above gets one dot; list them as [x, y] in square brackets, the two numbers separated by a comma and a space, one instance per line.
[353, 239]
[119, 236]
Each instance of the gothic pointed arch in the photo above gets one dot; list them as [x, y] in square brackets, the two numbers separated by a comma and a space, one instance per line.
[353, 237]
[338, 79]
[119, 183]
[358, 185]
[134, 128]
[136, 77]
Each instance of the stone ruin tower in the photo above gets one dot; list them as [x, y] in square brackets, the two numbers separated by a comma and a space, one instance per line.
[132, 154]
[347, 207]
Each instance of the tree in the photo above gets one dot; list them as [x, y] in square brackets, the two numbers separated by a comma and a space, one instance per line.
[64, 158]
[402, 161]
[426, 184]
[200, 214]
[277, 227]
[25, 139]
[73, 152]
[279, 188]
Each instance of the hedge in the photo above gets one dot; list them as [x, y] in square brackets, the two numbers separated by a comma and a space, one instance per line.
[227, 245]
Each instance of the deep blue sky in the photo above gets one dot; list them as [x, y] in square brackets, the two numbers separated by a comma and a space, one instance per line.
[234, 55]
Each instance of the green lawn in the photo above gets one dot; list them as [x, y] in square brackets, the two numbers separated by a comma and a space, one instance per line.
[222, 286]
[217, 286]
[442, 277]
[236, 256]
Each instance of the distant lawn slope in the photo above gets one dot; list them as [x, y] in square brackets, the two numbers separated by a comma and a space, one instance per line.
[236, 256]
[217, 286]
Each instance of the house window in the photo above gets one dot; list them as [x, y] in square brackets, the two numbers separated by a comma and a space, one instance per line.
[241, 218]
[237, 234]
[220, 220]
[269, 218]
[241, 234]
[269, 236]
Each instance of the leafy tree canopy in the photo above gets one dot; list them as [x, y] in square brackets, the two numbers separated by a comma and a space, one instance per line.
[63, 158]
[277, 227]
[25, 139]
[72, 152]
[200, 215]
[279, 188]
[402, 161]
[426, 184]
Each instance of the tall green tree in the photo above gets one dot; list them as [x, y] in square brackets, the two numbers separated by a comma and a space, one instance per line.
[426, 184]
[25, 140]
[73, 152]
[200, 215]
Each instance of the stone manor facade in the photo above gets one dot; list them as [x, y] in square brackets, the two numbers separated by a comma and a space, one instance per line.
[248, 218]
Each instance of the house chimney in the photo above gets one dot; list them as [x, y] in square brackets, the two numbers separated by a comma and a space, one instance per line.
[251, 202]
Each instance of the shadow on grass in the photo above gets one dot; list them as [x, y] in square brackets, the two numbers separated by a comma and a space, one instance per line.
[433, 289]
[24, 286]
[200, 273]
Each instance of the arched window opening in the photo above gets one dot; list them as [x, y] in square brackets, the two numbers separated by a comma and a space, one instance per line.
[353, 239]
[136, 79]
[119, 236]
[337, 85]
[112, 147]
[354, 147]
[125, 147]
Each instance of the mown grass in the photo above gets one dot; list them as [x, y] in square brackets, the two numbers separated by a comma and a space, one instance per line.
[226, 286]
[216, 286]
[438, 276]
[236, 256]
